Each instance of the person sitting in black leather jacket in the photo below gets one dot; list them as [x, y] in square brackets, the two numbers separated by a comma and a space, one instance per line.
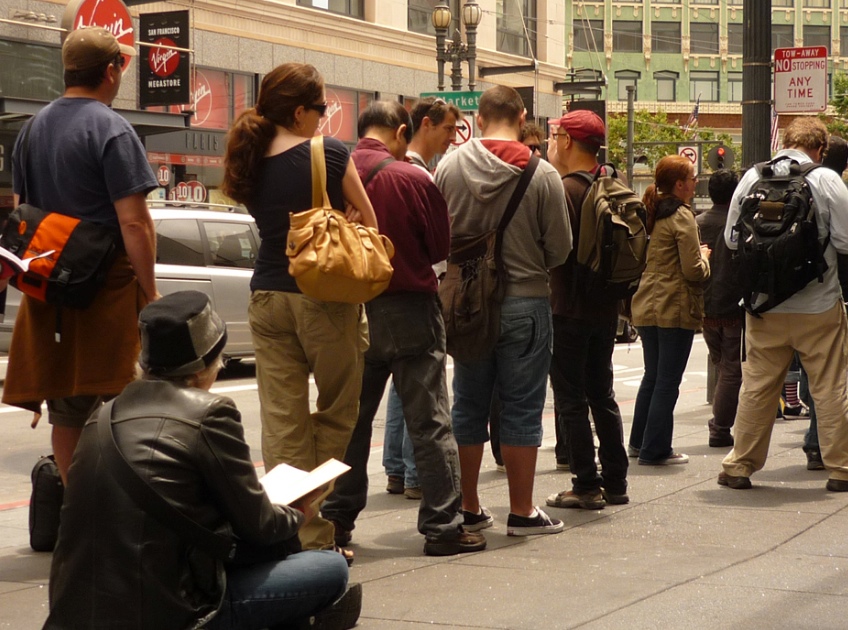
[117, 565]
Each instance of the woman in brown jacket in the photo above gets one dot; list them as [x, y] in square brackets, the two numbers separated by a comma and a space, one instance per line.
[667, 308]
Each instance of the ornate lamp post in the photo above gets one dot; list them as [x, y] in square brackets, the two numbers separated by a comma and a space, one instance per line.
[456, 51]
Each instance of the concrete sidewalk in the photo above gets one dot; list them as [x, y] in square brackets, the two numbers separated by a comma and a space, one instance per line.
[685, 553]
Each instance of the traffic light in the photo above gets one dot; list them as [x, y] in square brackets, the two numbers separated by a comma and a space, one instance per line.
[720, 157]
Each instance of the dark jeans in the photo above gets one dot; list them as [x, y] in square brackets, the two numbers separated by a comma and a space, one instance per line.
[724, 343]
[666, 352]
[811, 435]
[408, 344]
[582, 378]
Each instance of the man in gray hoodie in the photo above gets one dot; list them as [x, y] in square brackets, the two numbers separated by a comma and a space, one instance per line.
[477, 181]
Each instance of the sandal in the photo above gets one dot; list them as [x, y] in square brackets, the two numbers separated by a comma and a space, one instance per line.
[347, 554]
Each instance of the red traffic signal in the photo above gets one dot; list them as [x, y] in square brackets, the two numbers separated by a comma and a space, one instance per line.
[720, 152]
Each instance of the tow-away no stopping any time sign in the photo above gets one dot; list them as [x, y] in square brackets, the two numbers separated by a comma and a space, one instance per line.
[800, 80]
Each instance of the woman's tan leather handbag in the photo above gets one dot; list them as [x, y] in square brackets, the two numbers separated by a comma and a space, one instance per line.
[330, 258]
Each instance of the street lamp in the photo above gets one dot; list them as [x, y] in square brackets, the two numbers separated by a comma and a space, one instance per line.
[456, 51]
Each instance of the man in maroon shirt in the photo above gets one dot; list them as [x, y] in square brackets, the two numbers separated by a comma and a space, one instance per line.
[407, 338]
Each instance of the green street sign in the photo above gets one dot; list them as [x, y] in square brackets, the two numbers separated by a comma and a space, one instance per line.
[465, 101]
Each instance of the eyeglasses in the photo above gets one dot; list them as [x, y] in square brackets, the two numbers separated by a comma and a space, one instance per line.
[559, 134]
[119, 61]
[535, 147]
[321, 108]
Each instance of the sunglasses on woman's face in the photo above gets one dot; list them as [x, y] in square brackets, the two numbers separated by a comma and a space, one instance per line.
[321, 108]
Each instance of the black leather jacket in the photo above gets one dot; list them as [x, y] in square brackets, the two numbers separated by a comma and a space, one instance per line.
[117, 567]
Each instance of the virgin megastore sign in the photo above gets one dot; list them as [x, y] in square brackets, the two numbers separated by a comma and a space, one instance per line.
[112, 15]
[164, 77]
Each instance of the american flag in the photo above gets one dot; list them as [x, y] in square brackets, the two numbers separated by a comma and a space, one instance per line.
[693, 117]
[774, 131]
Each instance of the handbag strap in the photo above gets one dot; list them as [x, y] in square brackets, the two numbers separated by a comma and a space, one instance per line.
[145, 497]
[24, 157]
[320, 199]
[373, 172]
[511, 207]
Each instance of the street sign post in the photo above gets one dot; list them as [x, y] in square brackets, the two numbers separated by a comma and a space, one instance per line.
[800, 80]
[465, 101]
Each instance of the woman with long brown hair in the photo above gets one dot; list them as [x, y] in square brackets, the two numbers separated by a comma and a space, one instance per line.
[667, 308]
[268, 169]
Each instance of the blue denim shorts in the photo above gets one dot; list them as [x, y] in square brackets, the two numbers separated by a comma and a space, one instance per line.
[516, 371]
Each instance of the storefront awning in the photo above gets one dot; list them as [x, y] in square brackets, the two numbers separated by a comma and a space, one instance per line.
[17, 110]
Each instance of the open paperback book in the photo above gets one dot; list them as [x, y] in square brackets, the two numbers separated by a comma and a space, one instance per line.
[285, 484]
[12, 265]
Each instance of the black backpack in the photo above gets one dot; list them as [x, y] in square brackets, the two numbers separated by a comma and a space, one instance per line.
[778, 250]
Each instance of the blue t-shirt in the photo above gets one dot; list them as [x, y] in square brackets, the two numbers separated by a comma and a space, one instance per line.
[81, 158]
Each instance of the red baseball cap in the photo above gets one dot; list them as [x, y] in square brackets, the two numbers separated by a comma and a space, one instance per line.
[584, 126]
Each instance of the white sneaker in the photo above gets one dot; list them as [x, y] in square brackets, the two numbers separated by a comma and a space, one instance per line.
[671, 460]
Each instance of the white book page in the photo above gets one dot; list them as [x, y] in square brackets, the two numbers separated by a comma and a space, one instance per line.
[285, 484]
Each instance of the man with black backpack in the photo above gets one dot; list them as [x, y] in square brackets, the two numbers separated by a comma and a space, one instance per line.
[584, 336]
[788, 221]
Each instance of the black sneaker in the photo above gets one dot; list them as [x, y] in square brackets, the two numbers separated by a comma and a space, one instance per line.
[475, 522]
[342, 615]
[814, 460]
[467, 542]
[541, 523]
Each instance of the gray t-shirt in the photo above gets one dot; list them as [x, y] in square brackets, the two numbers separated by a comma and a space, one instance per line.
[81, 158]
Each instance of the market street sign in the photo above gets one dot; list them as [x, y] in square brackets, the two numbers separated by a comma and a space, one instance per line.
[800, 80]
[465, 101]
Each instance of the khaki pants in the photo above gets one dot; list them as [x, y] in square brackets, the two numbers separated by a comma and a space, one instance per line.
[294, 335]
[822, 344]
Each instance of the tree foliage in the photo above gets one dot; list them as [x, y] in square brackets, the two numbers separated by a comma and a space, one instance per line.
[838, 125]
[656, 127]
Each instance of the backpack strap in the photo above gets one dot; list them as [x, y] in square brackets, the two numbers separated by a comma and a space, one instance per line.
[24, 157]
[142, 493]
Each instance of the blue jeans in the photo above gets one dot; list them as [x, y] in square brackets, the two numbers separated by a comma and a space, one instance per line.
[282, 592]
[666, 352]
[519, 367]
[398, 457]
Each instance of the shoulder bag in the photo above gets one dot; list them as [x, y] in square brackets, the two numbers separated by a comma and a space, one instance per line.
[472, 290]
[73, 256]
[330, 258]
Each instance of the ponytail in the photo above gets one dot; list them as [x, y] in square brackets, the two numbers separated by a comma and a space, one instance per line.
[247, 143]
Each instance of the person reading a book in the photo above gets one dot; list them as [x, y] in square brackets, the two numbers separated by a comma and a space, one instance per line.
[129, 558]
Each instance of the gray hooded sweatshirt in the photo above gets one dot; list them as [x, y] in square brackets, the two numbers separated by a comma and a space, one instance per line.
[477, 185]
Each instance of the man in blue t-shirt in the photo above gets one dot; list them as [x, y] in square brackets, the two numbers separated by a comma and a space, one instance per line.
[78, 157]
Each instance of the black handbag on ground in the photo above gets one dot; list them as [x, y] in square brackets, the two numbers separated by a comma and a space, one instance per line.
[45, 504]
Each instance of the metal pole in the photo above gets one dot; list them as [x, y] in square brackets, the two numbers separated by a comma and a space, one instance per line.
[456, 54]
[756, 81]
[631, 130]
[471, 54]
[440, 56]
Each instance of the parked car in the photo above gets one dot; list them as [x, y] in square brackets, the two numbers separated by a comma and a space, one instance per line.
[205, 250]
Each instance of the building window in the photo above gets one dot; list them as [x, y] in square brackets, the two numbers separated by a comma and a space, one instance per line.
[734, 87]
[734, 38]
[30, 71]
[588, 35]
[666, 85]
[781, 3]
[843, 41]
[817, 4]
[704, 38]
[782, 36]
[353, 8]
[625, 78]
[817, 36]
[704, 1]
[666, 1]
[420, 12]
[665, 37]
[626, 36]
[703, 84]
[513, 17]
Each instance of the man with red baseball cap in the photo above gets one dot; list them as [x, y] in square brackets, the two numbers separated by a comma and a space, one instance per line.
[584, 338]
